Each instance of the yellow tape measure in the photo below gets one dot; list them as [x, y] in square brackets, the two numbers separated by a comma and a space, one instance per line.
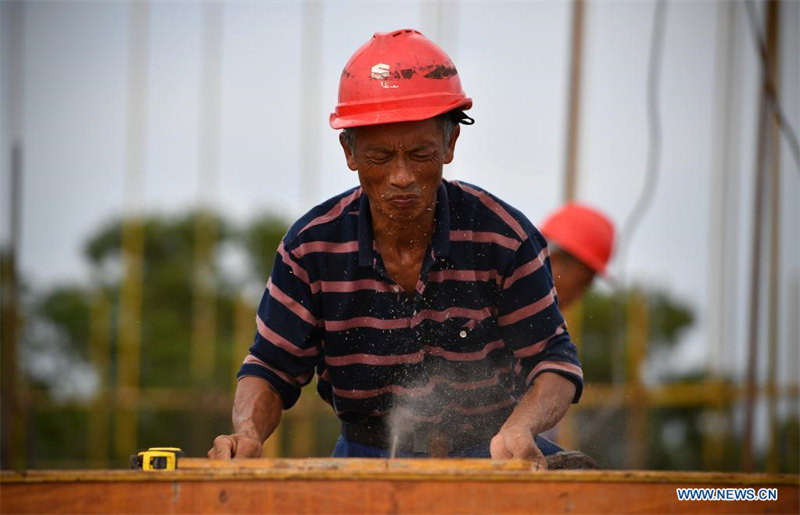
[157, 458]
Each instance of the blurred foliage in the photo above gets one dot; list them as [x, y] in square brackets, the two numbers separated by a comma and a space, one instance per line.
[67, 307]
[258, 239]
[60, 438]
[59, 327]
[604, 323]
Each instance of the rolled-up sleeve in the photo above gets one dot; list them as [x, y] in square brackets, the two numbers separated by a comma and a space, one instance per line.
[530, 321]
[286, 348]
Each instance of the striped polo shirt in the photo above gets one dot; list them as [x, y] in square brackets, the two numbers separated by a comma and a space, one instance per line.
[480, 326]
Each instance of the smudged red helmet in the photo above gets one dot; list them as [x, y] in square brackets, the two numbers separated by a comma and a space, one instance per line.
[398, 76]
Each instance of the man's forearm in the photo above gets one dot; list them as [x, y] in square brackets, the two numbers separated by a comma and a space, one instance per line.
[257, 408]
[544, 404]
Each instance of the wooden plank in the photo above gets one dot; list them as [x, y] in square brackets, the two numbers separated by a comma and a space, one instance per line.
[194, 469]
[378, 486]
[377, 496]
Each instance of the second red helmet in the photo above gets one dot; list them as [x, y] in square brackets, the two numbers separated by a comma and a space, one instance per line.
[584, 232]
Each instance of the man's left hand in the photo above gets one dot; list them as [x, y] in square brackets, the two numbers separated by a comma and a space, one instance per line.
[516, 442]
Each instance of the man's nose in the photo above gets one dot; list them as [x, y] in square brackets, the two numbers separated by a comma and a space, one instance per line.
[402, 175]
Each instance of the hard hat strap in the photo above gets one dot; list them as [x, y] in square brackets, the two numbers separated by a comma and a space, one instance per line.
[459, 116]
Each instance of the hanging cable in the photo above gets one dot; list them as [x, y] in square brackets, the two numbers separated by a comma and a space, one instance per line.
[654, 131]
[769, 84]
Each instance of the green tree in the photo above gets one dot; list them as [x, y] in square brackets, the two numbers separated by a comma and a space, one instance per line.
[603, 332]
[59, 330]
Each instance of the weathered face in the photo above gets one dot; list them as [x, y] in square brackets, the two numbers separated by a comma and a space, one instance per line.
[572, 278]
[400, 167]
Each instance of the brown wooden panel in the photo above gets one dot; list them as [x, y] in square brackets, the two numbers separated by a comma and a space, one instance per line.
[380, 496]
[377, 486]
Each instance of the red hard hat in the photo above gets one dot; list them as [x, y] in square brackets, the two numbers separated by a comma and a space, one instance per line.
[583, 232]
[398, 76]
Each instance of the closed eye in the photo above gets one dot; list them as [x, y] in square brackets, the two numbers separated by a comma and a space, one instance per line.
[422, 155]
[379, 157]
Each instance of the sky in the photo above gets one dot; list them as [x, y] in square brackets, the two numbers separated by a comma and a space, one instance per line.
[267, 128]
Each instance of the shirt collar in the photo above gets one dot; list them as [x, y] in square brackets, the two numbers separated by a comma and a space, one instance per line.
[441, 228]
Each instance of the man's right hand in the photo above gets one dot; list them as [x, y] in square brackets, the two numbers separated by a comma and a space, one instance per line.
[236, 445]
[257, 411]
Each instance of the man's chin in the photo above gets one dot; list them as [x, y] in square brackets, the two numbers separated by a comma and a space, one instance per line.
[403, 216]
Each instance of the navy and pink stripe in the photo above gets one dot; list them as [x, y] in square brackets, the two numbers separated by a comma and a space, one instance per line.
[482, 320]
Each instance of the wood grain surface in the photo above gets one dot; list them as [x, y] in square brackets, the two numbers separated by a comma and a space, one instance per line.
[349, 486]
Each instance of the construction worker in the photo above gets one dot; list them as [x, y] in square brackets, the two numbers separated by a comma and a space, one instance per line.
[581, 241]
[421, 304]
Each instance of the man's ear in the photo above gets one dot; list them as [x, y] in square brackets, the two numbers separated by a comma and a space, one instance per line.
[348, 154]
[450, 151]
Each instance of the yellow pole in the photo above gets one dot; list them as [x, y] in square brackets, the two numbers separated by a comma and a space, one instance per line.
[129, 354]
[204, 295]
[566, 434]
[243, 333]
[637, 351]
[100, 356]
[574, 315]
[204, 315]
[129, 335]
[713, 439]
[302, 424]
[204, 325]
[13, 419]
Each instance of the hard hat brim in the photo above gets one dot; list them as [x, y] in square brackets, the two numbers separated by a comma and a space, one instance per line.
[361, 118]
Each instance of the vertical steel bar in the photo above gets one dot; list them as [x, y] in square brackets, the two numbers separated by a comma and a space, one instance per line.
[748, 458]
[205, 231]
[97, 434]
[565, 430]
[204, 280]
[129, 337]
[310, 141]
[724, 230]
[13, 420]
[574, 104]
[773, 301]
